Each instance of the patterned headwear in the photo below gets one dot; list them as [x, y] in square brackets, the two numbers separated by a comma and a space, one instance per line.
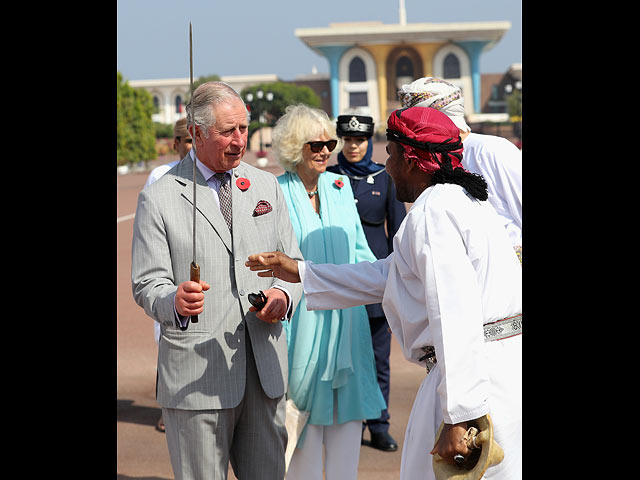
[435, 93]
[427, 136]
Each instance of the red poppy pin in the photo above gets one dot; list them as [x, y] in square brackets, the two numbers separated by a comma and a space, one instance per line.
[243, 183]
[338, 183]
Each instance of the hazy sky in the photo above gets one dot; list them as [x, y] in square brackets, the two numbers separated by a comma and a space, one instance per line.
[244, 37]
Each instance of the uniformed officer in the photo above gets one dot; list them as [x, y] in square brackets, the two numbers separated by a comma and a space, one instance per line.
[376, 201]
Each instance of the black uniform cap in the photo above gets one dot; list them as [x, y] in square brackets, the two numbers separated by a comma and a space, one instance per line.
[354, 126]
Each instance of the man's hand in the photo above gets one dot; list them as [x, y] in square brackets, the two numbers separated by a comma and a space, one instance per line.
[451, 443]
[274, 264]
[275, 308]
[190, 298]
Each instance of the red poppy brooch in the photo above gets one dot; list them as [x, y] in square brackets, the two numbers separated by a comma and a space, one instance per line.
[338, 183]
[243, 183]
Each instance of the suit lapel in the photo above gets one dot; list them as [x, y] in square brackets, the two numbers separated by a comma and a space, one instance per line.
[241, 201]
[205, 203]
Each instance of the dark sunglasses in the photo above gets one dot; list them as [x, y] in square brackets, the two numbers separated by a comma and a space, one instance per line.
[316, 147]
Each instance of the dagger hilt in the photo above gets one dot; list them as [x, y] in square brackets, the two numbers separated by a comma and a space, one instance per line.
[195, 277]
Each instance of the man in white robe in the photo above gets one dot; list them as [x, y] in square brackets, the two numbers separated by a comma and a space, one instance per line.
[497, 159]
[453, 271]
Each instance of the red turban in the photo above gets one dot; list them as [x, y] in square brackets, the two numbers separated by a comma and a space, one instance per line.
[426, 135]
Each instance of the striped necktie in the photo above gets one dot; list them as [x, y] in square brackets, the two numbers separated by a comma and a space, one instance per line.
[224, 194]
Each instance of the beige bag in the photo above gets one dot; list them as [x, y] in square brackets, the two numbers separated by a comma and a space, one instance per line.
[295, 422]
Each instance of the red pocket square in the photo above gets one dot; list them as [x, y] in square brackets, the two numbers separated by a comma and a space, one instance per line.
[261, 208]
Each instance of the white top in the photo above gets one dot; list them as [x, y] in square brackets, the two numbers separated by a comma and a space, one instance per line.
[453, 269]
[157, 172]
[500, 162]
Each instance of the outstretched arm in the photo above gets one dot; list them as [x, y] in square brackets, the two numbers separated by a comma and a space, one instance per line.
[327, 286]
[274, 264]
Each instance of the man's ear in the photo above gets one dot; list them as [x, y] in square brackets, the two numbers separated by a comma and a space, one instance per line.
[190, 129]
[410, 163]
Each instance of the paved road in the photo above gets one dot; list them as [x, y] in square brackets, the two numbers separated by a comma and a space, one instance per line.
[142, 452]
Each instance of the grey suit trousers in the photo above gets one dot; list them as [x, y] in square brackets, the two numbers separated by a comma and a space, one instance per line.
[199, 440]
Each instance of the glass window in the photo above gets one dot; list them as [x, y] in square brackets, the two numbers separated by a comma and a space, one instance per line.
[358, 99]
[357, 71]
[451, 66]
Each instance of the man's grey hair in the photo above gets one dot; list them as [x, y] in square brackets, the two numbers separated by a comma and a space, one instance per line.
[205, 97]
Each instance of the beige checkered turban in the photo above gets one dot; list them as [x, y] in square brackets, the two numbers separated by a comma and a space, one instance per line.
[435, 93]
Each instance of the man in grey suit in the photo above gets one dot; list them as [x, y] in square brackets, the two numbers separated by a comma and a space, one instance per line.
[222, 380]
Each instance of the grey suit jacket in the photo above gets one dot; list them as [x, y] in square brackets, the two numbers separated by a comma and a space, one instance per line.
[203, 367]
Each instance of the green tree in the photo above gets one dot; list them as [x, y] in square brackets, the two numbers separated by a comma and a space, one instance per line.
[514, 106]
[163, 130]
[135, 131]
[284, 94]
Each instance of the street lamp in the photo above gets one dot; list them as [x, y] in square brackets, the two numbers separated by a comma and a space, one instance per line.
[258, 107]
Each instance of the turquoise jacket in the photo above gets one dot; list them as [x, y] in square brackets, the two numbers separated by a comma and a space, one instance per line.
[331, 358]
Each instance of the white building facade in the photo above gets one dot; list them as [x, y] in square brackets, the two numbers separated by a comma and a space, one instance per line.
[169, 94]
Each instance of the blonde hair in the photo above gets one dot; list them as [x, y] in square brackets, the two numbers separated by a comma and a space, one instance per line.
[298, 125]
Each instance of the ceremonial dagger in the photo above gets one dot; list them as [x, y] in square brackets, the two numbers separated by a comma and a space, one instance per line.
[195, 268]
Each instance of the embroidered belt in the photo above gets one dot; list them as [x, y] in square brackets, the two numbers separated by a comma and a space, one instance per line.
[505, 328]
[518, 249]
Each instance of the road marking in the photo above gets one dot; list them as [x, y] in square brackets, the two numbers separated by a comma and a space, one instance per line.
[126, 217]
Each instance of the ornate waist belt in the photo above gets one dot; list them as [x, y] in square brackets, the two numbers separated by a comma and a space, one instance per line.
[499, 330]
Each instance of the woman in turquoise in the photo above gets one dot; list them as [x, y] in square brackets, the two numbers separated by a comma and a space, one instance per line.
[332, 372]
